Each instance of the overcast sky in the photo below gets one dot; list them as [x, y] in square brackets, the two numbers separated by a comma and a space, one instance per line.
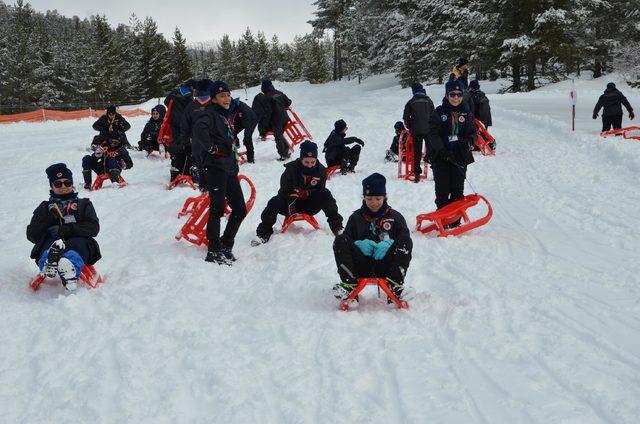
[199, 20]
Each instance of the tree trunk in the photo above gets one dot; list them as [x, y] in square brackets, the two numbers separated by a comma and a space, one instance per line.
[531, 72]
[515, 70]
[597, 68]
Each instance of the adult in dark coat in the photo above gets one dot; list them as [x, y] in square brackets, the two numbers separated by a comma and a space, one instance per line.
[244, 119]
[481, 107]
[278, 117]
[452, 133]
[612, 100]
[302, 190]
[112, 122]
[416, 116]
[149, 137]
[375, 243]
[261, 106]
[109, 156]
[336, 150]
[62, 230]
[213, 140]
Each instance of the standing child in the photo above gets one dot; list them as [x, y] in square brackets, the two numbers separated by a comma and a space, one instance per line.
[417, 113]
[63, 230]
[612, 101]
[336, 150]
[452, 135]
[375, 243]
[214, 142]
[278, 103]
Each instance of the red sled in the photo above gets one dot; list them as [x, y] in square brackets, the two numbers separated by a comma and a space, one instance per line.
[332, 170]
[484, 140]
[195, 229]
[100, 179]
[406, 164]
[380, 282]
[295, 217]
[628, 133]
[451, 213]
[181, 179]
[165, 135]
[295, 131]
[88, 275]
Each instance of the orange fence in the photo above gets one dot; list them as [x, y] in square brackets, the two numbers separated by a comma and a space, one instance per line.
[43, 115]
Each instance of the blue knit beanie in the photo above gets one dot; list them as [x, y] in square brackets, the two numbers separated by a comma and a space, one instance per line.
[374, 185]
[57, 171]
[266, 84]
[418, 88]
[340, 125]
[308, 149]
[453, 85]
[218, 87]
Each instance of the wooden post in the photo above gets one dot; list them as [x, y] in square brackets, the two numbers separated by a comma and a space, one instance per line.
[573, 117]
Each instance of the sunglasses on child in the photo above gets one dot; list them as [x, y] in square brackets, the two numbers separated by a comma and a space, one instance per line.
[60, 183]
[454, 94]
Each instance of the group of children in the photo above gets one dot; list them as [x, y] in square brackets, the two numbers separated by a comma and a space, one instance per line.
[376, 240]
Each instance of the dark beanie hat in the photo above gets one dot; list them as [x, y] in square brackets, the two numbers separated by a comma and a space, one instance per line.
[418, 88]
[374, 185]
[308, 149]
[57, 171]
[611, 85]
[453, 85]
[399, 126]
[191, 83]
[266, 84]
[111, 109]
[218, 87]
[462, 61]
[202, 86]
[340, 125]
[474, 85]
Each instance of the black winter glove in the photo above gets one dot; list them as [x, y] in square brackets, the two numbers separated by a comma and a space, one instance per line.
[300, 193]
[360, 142]
[595, 116]
[631, 115]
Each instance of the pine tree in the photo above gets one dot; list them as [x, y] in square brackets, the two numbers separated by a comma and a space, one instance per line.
[226, 55]
[181, 62]
[315, 66]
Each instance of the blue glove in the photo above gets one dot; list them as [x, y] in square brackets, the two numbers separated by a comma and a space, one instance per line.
[381, 249]
[366, 246]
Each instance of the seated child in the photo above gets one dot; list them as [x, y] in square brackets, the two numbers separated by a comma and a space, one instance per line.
[109, 156]
[337, 152]
[392, 152]
[149, 137]
[63, 230]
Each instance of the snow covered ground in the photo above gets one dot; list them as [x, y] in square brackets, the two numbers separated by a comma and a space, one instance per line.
[534, 318]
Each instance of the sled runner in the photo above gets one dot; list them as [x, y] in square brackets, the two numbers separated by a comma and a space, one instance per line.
[452, 213]
[195, 229]
[332, 170]
[628, 133]
[406, 168]
[295, 132]
[484, 140]
[299, 217]
[100, 179]
[382, 283]
[181, 179]
[88, 275]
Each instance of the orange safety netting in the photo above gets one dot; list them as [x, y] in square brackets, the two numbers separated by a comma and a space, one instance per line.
[43, 115]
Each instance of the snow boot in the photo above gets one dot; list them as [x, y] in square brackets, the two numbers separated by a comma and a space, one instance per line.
[228, 254]
[402, 292]
[114, 176]
[217, 257]
[342, 290]
[68, 274]
[173, 173]
[259, 240]
[86, 174]
[55, 253]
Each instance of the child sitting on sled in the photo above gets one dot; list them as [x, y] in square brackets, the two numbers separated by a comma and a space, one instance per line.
[392, 152]
[375, 243]
[63, 230]
[109, 156]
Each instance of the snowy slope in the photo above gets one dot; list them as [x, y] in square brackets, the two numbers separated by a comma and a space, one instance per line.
[534, 318]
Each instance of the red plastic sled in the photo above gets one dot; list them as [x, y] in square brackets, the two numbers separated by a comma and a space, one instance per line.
[380, 282]
[295, 131]
[451, 213]
[165, 135]
[195, 229]
[406, 168]
[484, 139]
[181, 179]
[97, 184]
[628, 133]
[88, 275]
[299, 217]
